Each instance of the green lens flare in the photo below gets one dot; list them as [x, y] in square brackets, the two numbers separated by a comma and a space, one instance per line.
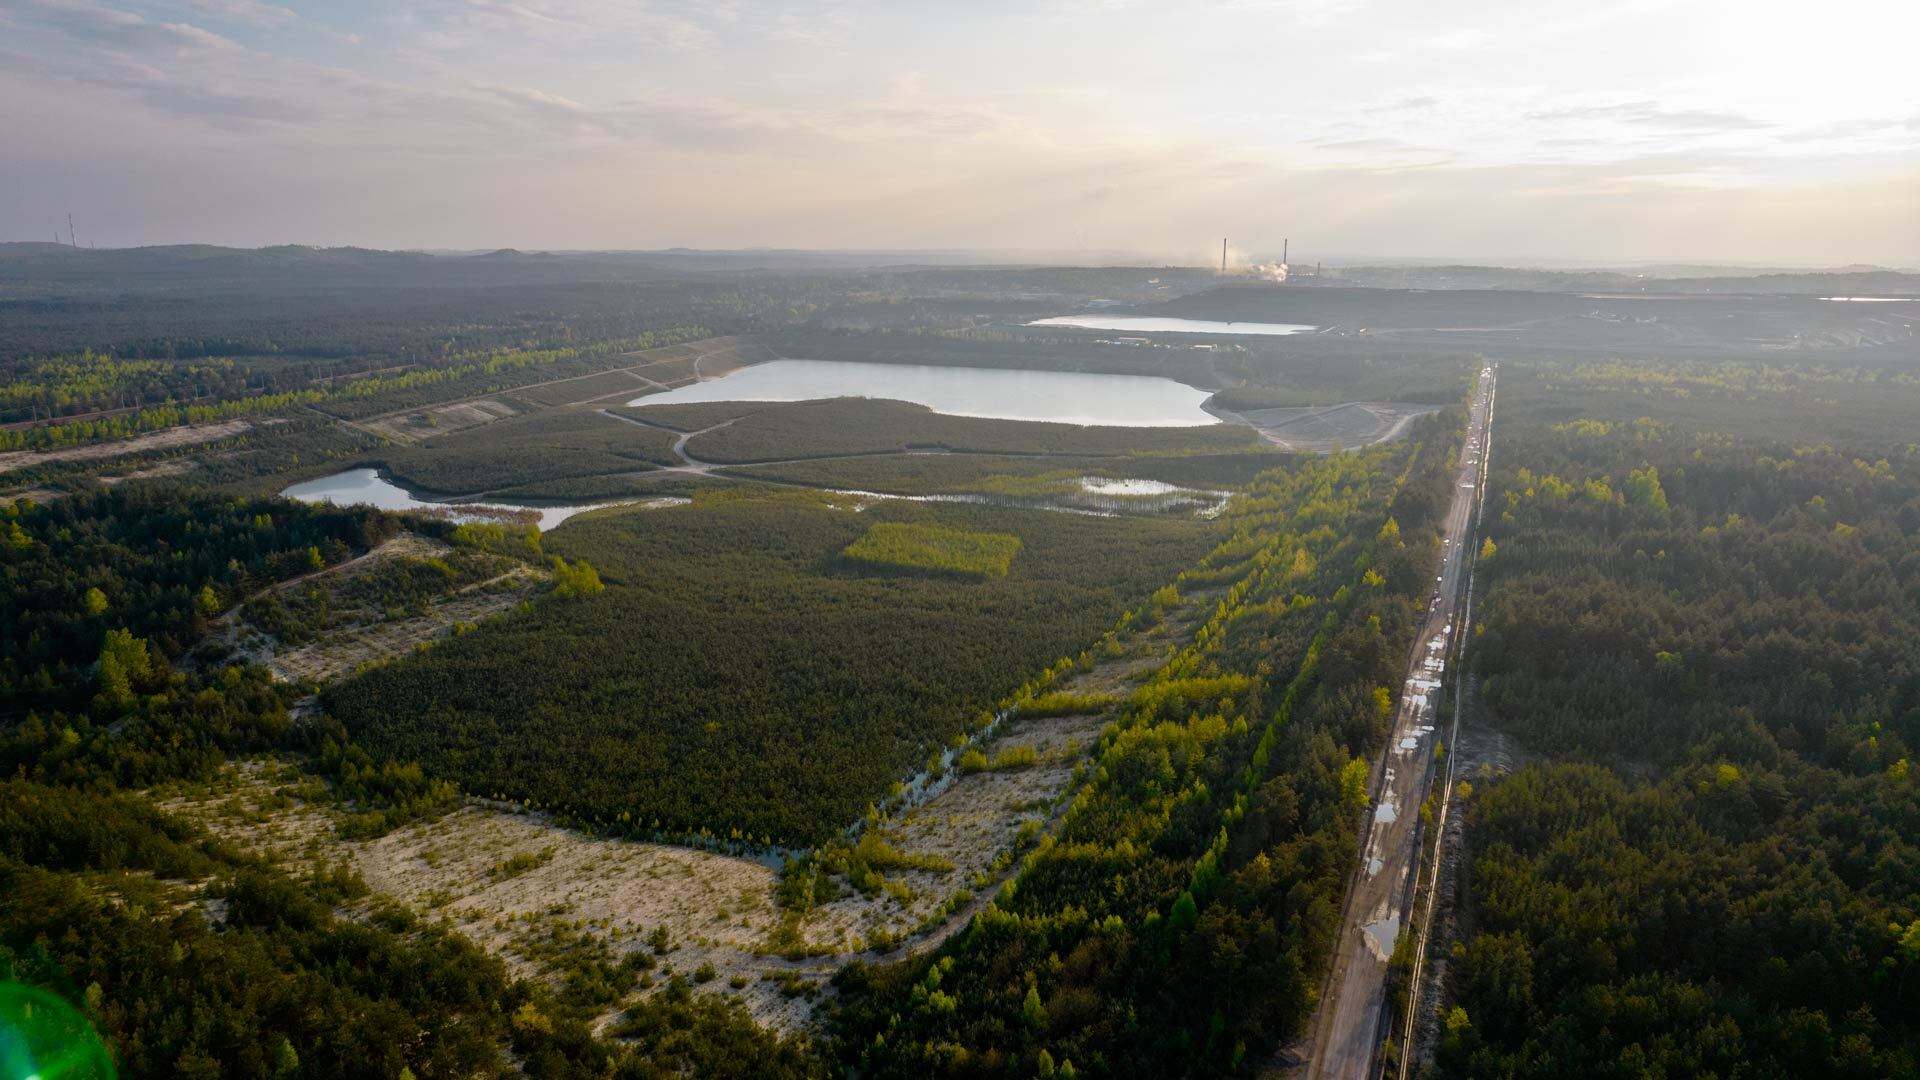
[44, 1038]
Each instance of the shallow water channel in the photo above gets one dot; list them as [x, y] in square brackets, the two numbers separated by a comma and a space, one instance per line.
[366, 487]
[1152, 324]
[1092, 495]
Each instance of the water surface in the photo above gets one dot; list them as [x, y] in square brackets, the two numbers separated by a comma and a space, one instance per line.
[1143, 324]
[1062, 397]
[366, 487]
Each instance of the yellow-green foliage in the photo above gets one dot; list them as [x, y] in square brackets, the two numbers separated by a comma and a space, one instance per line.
[1016, 757]
[1064, 703]
[932, 547]
[575, 579]
[1176, 697]
[877, 854]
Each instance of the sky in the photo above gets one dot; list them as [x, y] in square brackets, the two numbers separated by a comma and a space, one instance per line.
[1753, 131]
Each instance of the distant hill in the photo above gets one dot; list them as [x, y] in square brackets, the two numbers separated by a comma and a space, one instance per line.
[41, 268]
[1848, 281]
[38, 268]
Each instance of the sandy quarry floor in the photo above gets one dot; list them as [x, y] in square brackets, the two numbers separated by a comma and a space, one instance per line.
[138, 444]
[172, 467]
[340, 651]
[337, 654]
[718, 911]
[438, 420]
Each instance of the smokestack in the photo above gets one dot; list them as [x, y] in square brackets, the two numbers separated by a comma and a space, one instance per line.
[1283, 251]
[1223, 254]
[70, 240]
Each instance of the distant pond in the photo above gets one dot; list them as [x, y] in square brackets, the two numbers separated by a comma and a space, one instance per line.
[1063, 397]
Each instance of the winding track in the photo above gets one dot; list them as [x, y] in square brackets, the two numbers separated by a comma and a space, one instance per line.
[1353, 1016]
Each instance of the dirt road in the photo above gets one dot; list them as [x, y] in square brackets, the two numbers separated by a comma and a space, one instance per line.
[1352, 1020]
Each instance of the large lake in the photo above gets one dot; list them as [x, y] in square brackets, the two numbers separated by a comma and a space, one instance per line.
[1065, 397]
[1143, 324]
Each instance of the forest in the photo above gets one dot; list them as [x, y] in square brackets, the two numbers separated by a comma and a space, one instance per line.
[739, 676]
[192, 958]
[1715, 639]
[539, 450]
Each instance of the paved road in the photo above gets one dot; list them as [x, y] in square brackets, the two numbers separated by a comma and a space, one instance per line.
[1352, 1020]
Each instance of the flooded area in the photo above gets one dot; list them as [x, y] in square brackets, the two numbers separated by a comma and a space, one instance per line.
[1061, 397]
[1095, 485]
[1090, 495]
[1382, 936]
[366, 487]
[1145, 324]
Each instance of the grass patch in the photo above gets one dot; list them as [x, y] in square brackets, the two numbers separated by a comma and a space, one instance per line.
[519, 864]
[936, 548]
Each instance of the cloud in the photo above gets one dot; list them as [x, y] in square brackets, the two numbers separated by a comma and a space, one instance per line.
[469, 22]
[124, 30]
[1652, 115]
[222, 104]
[1381, 143]
[1405, 104]
[252, 12]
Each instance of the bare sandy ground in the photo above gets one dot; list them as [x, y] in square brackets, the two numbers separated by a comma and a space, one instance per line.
[337, 654]
[138, 444]
[438, 420]
[173, 467]
[339, 651]
[718, 911]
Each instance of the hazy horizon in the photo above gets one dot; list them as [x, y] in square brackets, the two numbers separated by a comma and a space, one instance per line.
[1239, 259]
[1648, 132]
